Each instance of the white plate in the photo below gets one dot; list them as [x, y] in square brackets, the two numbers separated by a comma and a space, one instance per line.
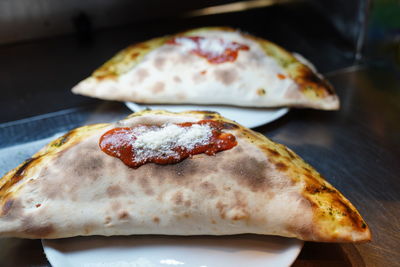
[249, 117]
[146, 251]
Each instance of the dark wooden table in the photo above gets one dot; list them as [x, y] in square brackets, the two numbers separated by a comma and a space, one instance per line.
[357, 149]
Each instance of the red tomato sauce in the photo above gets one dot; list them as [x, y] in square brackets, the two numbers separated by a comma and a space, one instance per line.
[281, 76]
[118, 142]
[229, 54]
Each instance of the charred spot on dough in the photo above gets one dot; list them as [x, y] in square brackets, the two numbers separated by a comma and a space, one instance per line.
[312, 180]
[240, 200]
[177, 198]
[107, 220]
[348, 212]
[107, 75]
[226, 77]
[159, 63]
[142, 46]
[290, 153]
[221, 208]
[338, 208]
[12, 209]
[281, 166]
[36, 230]
[229, 126]
[250, 172]
[134, 55]
[177, 172]
[261, 91]
[88, 166]
[209, 116]
[142, 74]
[316, 189]
[156, 219]
[213, 221]
[250, 135]
[308, 80]
[188, 203]
[123, 215]
[237, 215]
[114, 191]
[185, 167]
[18, 175]
[62, 140]
[209, 189]
[238, 210]
[177, 79]
[272, 152]
[88, 228]
[145, 184]
[227, 188]
[307, 170]
[7, 206]
[158, 87]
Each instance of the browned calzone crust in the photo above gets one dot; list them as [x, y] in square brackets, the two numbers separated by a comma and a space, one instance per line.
[72, 188]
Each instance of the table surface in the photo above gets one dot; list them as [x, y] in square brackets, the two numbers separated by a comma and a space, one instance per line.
[356, 148]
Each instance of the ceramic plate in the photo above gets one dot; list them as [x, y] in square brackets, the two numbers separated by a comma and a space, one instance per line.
[249, 117]
[198, 251]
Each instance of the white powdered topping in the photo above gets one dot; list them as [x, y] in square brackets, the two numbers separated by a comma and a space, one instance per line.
[211, 46]
[161, 142]
[186, 43]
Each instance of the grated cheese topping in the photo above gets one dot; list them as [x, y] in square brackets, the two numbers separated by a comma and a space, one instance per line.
[166, 144]
[186, 44]
[211, 46]
[161, 141]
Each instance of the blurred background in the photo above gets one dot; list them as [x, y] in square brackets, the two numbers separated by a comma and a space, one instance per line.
[48, 46]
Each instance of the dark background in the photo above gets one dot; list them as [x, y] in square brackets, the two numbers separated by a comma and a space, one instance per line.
[45, 54]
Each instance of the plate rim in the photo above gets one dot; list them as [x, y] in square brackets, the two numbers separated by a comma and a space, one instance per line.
[295, 246]
[278, 111]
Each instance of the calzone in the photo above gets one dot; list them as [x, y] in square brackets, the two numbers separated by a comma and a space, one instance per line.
[156, 172]
[212, 65]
